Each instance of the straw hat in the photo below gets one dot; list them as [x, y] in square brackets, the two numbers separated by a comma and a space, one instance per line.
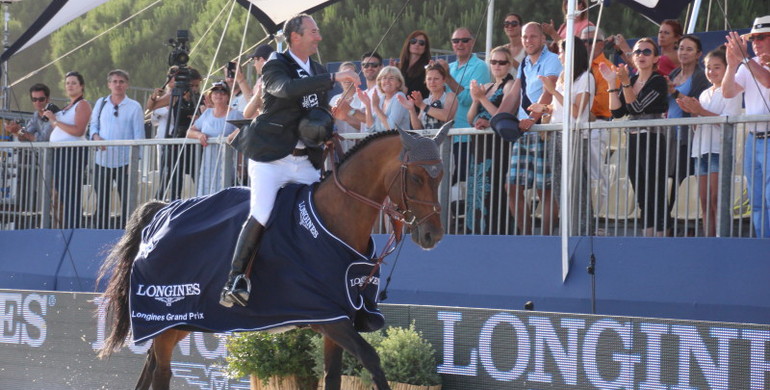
[761, 26]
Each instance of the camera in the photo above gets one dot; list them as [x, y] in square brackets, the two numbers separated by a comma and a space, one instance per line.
[50, 107]
[180, 54]
[231, 70]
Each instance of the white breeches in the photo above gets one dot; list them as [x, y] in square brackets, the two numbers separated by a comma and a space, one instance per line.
[268, 177]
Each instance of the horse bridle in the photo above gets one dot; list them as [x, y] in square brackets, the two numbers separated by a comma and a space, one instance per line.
[390, 209]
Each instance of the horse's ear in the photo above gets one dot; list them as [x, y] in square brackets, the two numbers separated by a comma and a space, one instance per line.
[442, 132]
[407, 138]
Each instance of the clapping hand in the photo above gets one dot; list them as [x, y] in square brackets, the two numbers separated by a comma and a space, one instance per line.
[622, 74]
[548, 84]
[341, 109]
[609, 74]
[671, 85]
[689, 105]
[417, 98]
[736, 48]
[548, 28]
[477, 91]
[406, 102]
[364, 97]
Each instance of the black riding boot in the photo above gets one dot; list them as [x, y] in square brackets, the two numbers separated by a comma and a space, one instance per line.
[238, 285]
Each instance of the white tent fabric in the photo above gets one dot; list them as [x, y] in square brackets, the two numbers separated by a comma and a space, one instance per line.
[270, 13]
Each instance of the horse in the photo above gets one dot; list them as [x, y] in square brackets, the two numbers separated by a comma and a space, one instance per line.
[396, 172]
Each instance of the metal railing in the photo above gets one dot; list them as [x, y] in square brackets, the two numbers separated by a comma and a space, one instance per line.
[66, 185]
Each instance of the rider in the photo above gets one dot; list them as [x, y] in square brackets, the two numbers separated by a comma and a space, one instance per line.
[293, 85]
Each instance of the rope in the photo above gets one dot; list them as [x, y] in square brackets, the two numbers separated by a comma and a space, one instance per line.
[36, 71]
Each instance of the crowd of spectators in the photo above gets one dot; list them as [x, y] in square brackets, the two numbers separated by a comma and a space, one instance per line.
[522, 78]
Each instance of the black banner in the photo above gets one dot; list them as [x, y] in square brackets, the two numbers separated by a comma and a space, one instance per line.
[48, 341]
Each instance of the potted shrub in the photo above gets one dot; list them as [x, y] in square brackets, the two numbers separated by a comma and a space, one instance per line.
[408, 360]
[274, 361]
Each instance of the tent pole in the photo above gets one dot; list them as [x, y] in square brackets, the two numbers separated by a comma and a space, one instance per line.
[566, 167]
[6, 89]
[693, 16]
[490, 25]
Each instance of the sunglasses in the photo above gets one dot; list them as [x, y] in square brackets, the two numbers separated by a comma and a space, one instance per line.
[463, 40]
[420, 42]
[758, 38]
[645, 52]
[367, 65]
[510, 24]
[39, 99]
[116, 111]
[499, 62]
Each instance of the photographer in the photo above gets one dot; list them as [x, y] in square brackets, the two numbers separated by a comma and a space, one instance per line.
[37, 128]
[173, 122]
[69, 124]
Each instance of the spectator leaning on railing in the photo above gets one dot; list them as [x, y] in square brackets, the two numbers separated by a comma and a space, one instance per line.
[752, 76]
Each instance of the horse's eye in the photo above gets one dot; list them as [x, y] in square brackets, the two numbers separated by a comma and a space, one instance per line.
[415, 179]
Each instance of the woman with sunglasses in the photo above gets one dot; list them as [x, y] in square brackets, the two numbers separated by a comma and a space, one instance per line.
[213, 124]
[512, 26]
[486, 203]
[643, 96]
[415, 55]
[686, 80]
[69, 124]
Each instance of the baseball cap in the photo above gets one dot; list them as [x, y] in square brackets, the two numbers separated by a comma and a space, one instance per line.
[262, 51]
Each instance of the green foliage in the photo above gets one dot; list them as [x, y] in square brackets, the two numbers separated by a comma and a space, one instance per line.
[408, 358]
[265, 354]
[350, 365]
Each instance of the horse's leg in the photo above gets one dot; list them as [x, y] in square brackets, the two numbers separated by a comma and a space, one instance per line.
[332, 365]
[163, 346]
[145, 378]
[344, 335]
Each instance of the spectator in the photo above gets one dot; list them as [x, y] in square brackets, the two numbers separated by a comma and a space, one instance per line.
[386, 113]
[415, 55]
[122, 119]
[512, 26]
[467, 67]
[581, 21]
[259, 58]
[37, 128]
[486, 201]
[707, 140]
[753, 78]
[582, 96]
[686, 80]
[69, 124]
[294, 86]
[595, 151]
[371, 65]
[532, 158]
[343, 103]
[177, 160]
[438, 108]
[213, 124]
[644, 97]
[669, 33]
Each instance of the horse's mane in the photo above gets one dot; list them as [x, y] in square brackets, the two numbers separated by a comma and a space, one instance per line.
[362, 144]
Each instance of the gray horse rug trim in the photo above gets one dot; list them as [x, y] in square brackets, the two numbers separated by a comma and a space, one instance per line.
[302, 275]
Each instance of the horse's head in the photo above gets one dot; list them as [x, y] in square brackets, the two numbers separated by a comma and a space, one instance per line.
[420, 175]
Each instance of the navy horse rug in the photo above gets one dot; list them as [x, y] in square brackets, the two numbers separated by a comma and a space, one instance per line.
[302, 275]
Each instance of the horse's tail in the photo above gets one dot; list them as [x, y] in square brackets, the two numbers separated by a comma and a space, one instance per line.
[119, 263]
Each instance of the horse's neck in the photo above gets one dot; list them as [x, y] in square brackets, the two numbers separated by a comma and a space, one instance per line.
[368, 172]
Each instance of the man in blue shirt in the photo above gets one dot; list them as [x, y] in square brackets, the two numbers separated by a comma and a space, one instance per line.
[114, 117]
[532, 158]
[467, 67]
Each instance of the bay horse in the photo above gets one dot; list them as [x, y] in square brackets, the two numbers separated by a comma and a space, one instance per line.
[396, 172]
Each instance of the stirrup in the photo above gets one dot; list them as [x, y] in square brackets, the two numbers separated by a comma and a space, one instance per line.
[231, 295]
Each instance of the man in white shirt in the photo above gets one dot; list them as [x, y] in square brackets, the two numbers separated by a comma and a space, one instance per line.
[750, 76]
[114, 117]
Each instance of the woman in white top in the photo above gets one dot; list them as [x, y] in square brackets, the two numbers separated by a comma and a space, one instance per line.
[386, 113]
[435, 110]
[69, 124]
[213, 124]
[707, 142]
